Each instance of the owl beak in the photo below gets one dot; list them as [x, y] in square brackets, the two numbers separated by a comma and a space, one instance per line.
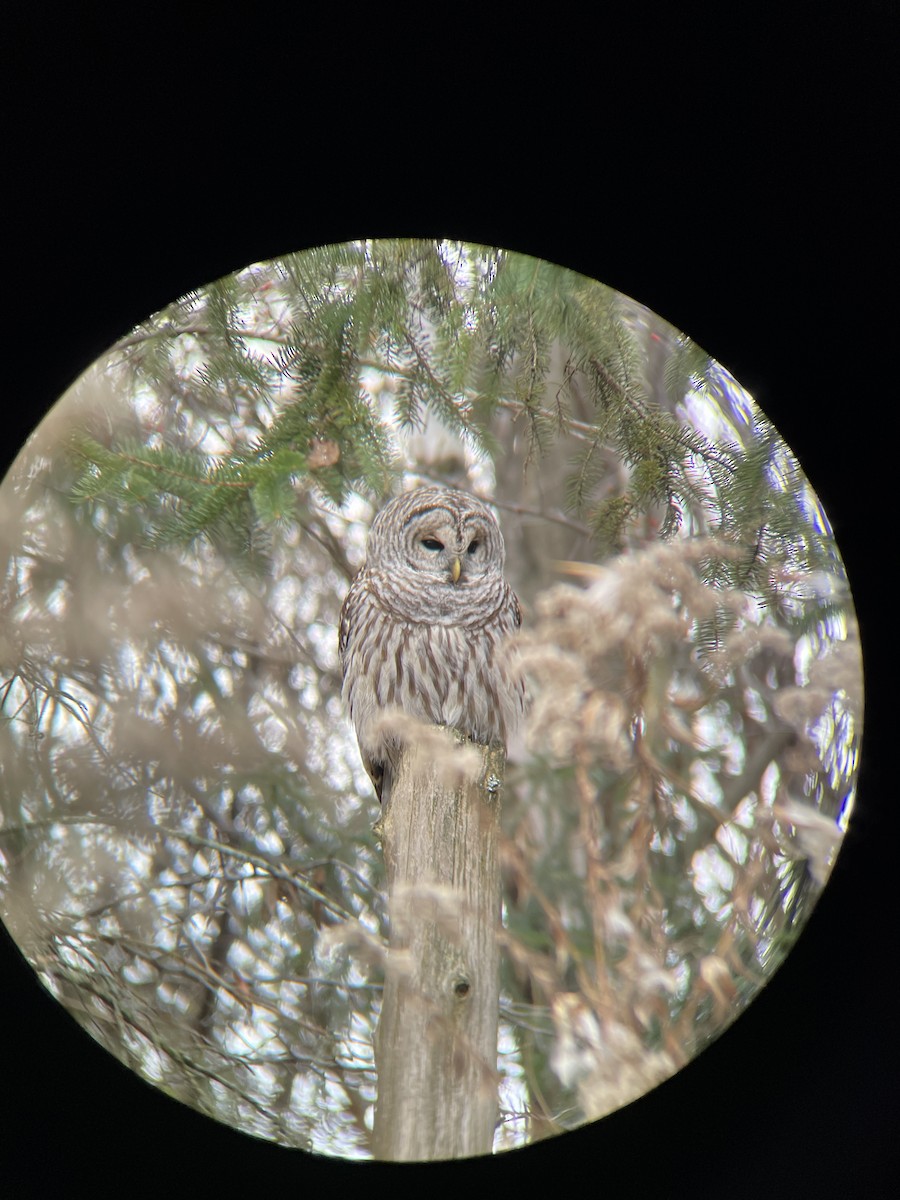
[455, 570]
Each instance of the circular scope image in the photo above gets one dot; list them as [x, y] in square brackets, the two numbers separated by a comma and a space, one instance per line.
[430, 700]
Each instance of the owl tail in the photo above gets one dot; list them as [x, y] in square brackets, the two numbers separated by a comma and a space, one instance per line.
[381, 775]
[384, 790]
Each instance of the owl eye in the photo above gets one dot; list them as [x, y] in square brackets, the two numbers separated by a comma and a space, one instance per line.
[432, 544]
[473, 546]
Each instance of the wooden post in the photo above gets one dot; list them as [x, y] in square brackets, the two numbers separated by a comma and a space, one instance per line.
[436, 1042]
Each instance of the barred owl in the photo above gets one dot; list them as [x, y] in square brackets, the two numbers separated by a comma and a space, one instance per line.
[422, 622]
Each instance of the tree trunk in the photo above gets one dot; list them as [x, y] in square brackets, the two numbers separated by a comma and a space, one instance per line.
[436, 1043]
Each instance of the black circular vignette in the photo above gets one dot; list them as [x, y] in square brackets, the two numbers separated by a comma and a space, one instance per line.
[782, 284]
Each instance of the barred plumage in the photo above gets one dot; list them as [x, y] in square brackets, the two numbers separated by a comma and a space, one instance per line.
[422, 623]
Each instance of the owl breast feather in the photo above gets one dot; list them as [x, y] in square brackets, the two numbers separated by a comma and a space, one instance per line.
[441, 673]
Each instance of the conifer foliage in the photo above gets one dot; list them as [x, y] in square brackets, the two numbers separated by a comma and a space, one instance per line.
[462, 333]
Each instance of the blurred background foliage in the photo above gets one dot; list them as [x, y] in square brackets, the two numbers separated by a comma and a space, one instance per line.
[186, 853]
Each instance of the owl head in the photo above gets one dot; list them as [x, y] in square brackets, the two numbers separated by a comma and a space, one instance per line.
[446, 537]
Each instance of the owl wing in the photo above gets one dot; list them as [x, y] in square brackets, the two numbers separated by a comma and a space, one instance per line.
[345, 623]
[379, 772]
